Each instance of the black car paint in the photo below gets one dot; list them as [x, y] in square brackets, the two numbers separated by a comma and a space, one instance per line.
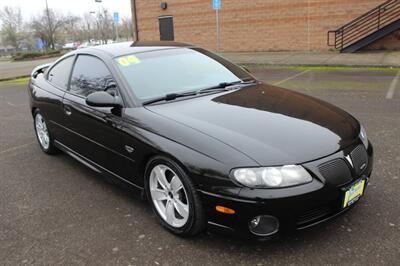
[208, 135]
[261, 118]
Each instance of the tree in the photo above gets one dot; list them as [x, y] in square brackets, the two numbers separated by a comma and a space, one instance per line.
[87, 27]
[71, 27]
[47, 26]
[11, 28]
[104, 25]
[126, 31]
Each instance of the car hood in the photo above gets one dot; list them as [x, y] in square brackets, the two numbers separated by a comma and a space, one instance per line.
[271, 125]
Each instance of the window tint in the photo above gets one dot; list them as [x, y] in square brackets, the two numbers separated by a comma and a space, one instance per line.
[59, 74]
[90, 75]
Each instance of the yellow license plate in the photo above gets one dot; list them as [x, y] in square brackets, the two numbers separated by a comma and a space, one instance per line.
[353, 193]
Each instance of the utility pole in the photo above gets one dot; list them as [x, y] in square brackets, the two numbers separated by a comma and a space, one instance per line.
[98, 20]
[50, 26]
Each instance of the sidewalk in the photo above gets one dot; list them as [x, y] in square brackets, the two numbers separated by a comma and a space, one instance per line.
[364, 59]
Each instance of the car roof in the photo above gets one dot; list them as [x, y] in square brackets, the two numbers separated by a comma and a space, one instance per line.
[122, 48]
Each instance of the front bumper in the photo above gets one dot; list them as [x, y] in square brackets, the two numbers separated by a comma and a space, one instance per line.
[295, 208]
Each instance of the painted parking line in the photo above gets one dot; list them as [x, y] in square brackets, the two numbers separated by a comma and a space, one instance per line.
[392, 87]
[292, 77]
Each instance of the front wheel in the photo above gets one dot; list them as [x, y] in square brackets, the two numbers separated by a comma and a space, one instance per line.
[173, 197]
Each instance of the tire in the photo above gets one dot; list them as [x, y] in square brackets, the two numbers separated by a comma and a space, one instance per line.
[43, 134]
[165, 193]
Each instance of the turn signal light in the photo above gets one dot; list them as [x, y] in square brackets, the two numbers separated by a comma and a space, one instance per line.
[224, 209]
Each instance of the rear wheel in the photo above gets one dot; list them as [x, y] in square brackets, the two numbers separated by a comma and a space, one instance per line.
[173, 197]
[43, 134]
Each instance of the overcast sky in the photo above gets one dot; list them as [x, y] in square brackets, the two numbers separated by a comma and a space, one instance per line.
[77, 7]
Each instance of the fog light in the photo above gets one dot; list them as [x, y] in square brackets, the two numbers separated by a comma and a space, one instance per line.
[264, 225]
[254, 223]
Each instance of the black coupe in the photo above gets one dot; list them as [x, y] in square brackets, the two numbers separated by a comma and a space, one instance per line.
[202, 139]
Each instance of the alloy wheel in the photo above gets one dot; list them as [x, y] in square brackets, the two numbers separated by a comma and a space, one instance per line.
[42, 131]
[169, 196]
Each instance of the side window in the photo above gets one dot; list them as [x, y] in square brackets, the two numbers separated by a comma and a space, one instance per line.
[59, 74]
[90, 75]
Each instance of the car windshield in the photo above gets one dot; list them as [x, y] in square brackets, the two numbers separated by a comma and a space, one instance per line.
[158, 73]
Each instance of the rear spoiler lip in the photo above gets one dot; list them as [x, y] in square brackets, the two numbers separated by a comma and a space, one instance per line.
[39, 69]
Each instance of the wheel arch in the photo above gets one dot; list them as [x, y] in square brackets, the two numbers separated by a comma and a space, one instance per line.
[33, 110]
[197, 219]
[200, 167]
[146, 161]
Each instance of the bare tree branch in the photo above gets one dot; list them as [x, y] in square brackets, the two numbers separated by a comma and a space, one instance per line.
[47, 26]
[11, 28]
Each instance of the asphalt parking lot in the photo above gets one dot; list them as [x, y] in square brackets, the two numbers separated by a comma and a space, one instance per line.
[54, 211]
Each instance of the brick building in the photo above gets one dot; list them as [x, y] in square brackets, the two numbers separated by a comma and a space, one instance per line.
[258, 25]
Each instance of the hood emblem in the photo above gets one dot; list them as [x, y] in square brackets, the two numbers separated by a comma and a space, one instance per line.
[349, 160]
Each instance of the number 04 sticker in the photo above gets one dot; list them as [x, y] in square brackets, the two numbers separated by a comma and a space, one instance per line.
[128, 60]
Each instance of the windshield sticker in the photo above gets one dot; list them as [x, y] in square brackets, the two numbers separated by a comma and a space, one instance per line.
[133, 59]
[128, 60]
[123, 61]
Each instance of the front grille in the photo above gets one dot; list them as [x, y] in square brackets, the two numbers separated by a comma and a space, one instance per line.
[335, 172]
[314, 215]
[359, 157]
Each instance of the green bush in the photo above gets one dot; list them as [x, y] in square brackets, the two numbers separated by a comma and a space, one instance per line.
[53, 52]
[31, 55]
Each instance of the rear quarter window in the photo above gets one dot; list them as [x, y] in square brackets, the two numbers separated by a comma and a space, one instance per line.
[59, 74]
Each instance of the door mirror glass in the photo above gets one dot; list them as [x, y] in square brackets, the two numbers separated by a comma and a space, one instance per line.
[102, 99]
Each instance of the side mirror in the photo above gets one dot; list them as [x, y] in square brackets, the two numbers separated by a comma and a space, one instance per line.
[102, 99]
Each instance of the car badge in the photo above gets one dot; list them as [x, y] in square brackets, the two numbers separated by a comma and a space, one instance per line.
[349, 160]
[129, 149]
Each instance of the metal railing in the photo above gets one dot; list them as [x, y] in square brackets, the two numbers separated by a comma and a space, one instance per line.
[365, 24]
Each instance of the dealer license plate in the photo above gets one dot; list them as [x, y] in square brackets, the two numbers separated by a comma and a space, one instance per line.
[353, 193]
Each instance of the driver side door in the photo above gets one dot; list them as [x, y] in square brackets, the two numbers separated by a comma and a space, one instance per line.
[93, 132]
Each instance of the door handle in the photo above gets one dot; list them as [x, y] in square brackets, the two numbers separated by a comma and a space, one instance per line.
[67, 110]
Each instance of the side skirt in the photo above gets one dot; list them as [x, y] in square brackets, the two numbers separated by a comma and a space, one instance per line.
[98, 168]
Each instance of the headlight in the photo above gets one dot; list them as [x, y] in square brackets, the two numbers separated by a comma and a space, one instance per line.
[364, 137]
[272, 177]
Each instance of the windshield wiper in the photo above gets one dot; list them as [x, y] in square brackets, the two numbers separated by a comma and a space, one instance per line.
[170, 97]
[224, 85]
[220, 86]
